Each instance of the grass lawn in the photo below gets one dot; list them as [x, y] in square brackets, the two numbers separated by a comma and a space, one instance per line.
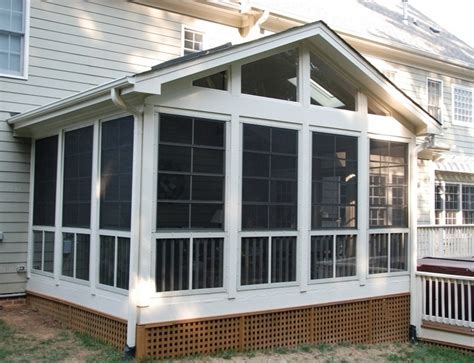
[27, 336]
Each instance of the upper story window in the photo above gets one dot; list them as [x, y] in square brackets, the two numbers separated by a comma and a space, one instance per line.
[435, 98]
[193, 41]
[462, 106]
[274, 76]
[388, 184]
[334, 181]
[190, 173]
[12, 37]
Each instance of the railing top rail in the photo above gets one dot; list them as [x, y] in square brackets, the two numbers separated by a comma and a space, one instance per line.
[441, 226]
[445, 276]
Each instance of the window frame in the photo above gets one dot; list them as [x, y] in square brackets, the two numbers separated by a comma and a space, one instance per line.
[459, 211]
[190, 236]
[194, 30]
[177, 233]
[441, 96]
[453, 118]
[334, 233]
[25, 45]
[388, 232]
[269, 284]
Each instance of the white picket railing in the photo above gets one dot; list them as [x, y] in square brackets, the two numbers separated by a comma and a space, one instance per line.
[446, 241]
[447, 299]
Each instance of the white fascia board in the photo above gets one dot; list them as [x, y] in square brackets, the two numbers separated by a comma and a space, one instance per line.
[68, 104]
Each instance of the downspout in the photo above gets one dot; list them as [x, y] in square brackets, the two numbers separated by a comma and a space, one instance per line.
[135, 232]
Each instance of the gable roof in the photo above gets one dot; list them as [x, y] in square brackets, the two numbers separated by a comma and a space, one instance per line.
[150, 82]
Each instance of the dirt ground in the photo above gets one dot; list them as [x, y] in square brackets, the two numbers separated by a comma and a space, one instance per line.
[28, 336]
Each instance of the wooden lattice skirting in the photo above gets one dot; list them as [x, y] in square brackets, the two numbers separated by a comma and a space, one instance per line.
[375, 320]
[101, 326]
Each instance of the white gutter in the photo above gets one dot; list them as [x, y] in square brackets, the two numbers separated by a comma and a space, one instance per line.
[135, 232]
[70, 101]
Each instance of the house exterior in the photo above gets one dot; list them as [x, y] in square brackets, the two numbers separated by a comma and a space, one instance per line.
[205, 196]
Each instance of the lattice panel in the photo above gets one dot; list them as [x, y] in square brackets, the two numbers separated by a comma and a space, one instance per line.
[285, 328]
[103, 327]
[366, 321]
[99, 326]
[343, 323]
[190, 338]
[391, 319]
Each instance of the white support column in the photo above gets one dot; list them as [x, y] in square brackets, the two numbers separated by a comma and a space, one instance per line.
[233, 209]
[145, 285]
[233, 205]
[413, 257]
[58, 219]
[304, 172]
[29, 260]
[135, 235]
[95, 195]
[363, 204]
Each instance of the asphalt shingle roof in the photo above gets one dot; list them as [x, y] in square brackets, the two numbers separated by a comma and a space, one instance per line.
[382, 19]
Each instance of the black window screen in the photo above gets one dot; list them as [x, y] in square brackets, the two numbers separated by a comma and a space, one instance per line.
[269, 185]
[116, 172]
[46, 160]
[190, 173]
[334, 181]
[77, 182]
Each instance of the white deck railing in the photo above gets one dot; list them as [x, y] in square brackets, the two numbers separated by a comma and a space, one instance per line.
[445, 241]
[447, 299]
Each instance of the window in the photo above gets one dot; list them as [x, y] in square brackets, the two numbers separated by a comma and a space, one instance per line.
[328, 87]
[76, 249]
[116, 174]
[388, 252]
[269, 185]
[388, 184]
[46, 164]
[193, 41]
[114, 261]
[43, 251]
[12, 37]
[185, 264]
[213, 81]
[334, 181]
[333, 256]
[190, 173]
[462, 105]
[77, 182]
[435, 96]
[454, 203]
[447, 203]
[274, 76]
[254, 262]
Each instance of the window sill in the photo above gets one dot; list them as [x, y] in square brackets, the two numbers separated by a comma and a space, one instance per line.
[332, 280]
[272, 285]
[42, 273]
[184, 293]
[388, 274]
[112, 289]
[13, 76]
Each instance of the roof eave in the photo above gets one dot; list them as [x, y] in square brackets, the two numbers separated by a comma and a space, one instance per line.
[88, 97]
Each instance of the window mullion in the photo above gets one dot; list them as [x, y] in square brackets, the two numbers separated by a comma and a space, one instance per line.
[190, 263]
[115, 260]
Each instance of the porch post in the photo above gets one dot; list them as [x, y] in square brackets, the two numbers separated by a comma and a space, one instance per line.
[412, 212]
[135, 231]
